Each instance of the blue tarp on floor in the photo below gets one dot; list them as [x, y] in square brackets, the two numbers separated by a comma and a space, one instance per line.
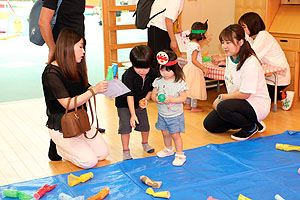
[253, 168]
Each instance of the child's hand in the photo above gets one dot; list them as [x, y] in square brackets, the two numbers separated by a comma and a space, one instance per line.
[205, 71]
[168, 100]
[133, 121]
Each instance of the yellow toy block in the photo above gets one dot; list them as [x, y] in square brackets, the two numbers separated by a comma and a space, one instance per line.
[163, 194]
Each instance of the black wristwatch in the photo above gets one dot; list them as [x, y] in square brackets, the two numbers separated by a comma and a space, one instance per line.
[220, 96]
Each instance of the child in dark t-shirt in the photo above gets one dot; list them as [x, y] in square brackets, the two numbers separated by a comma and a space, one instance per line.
[138, 79]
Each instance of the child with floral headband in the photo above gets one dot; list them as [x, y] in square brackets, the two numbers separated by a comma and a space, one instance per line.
[194, 71]
[169, 92]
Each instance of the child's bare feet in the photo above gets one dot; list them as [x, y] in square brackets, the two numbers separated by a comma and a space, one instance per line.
[196, 110]
[187, 107]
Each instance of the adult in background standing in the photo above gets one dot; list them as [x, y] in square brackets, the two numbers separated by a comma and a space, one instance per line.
[70, 15]
[161, 34]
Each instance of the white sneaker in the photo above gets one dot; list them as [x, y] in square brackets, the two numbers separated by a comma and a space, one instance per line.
[288, 100]
[179, 160]
[165, 152]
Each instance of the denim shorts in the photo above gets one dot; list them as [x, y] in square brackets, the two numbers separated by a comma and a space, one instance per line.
[172, 124]
[124, 120]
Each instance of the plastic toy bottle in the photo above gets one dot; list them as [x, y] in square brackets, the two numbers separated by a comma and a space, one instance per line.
[101, 195]
[110, 73]
[74, 180]
[63, 196]
[16, 194]
[287, 147]
[43, 190]
[161, 98]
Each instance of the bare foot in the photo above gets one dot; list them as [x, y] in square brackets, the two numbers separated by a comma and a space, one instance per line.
[187, 107]
[196, 110]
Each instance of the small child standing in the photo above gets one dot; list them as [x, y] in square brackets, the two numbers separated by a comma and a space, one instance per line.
[194, 71]
[138, 79]
[169, 93]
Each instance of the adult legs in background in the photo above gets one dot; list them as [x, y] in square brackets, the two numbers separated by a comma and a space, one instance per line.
[271, 89]
[158, 40]
[52, 153]
[286, 97]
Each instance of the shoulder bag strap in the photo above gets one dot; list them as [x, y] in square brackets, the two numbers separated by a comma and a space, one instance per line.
[94, 97]
[68, 104]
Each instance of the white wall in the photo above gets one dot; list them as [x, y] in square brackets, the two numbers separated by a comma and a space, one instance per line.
[220, 13]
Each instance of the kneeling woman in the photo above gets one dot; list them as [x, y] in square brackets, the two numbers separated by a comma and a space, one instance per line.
[247, 102]
[64, 78]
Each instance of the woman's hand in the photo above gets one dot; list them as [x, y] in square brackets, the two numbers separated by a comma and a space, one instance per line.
[101, 87]
[215, 103]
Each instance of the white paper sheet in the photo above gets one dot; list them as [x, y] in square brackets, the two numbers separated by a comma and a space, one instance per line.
[182, 40]
[115, 88]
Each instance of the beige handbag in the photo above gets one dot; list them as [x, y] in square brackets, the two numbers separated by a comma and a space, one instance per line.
[76, 122]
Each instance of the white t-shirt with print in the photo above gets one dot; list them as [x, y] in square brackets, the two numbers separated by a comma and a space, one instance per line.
[173, 9]
[249, 79]
[269, 52]
[192, 46]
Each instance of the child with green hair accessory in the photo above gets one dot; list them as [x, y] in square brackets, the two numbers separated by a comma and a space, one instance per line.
[194, 71]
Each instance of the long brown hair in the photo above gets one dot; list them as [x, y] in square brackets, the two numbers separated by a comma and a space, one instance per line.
[235, 31]
[65, 56]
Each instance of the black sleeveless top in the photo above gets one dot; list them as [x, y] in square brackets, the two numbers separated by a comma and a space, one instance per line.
[56, 86]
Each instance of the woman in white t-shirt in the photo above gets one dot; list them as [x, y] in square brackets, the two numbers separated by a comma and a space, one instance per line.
[269, 52]
[247, 102]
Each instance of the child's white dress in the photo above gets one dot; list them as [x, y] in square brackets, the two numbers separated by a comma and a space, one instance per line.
[194, 76]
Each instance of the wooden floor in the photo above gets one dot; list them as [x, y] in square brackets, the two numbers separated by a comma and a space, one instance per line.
[24, 139]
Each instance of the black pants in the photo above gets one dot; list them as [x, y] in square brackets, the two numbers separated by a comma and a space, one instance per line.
[271, 89]
[158, 40]
[231, 114]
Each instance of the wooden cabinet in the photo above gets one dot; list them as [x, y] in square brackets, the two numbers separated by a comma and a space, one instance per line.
[286, 29]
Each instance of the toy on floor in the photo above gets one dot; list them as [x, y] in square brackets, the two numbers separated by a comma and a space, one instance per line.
[63, 196]
[287, 147]
[101, 195]
[74, 180]
[143, 103]
[43, 190]
[161, 98]
[150, 182]
[163, 194]
[242, 197]
[16, 194]
[278, 197]
[211, 198]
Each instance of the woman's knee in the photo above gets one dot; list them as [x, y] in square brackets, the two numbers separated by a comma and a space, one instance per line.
[208, 124]
[86, 162]
[104, 154]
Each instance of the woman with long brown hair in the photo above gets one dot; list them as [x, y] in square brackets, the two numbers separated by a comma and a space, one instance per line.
[63, 78]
